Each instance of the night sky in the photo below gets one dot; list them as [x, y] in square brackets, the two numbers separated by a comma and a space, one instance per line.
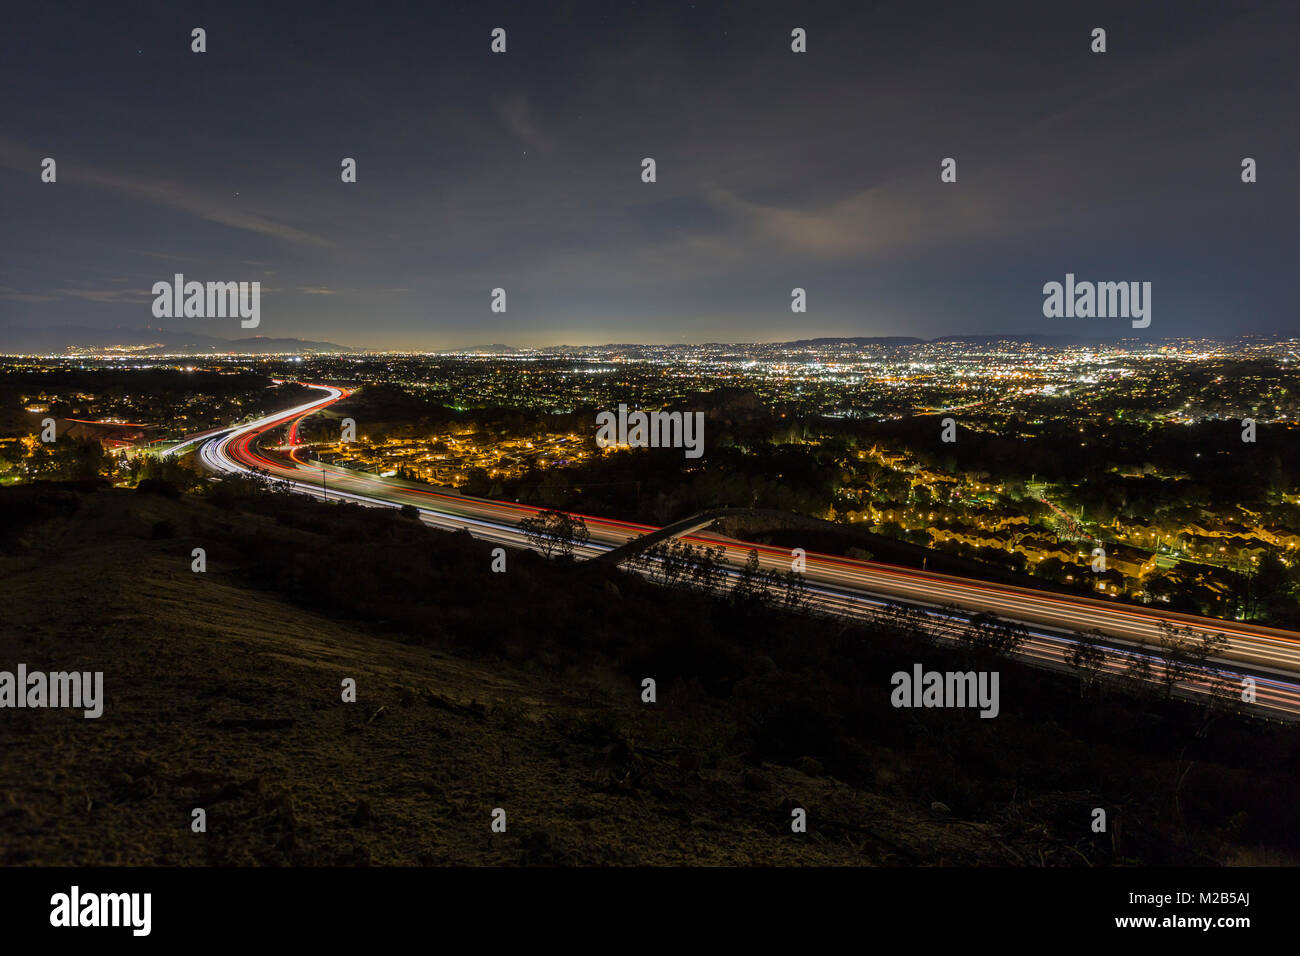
[775, 169]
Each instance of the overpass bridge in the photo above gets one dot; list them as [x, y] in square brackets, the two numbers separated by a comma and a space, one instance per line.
[696, 522]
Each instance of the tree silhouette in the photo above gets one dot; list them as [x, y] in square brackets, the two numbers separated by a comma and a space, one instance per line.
[1182, 652]
[990, 634]
[1088, 660]
[555, 532]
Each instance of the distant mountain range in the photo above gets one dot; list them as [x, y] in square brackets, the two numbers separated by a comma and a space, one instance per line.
[60, 339]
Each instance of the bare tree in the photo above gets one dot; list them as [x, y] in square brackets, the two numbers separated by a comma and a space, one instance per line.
[750, 586]
[990, 634]
[707, 568]
[1182, 652]
[784, 588]
[908, 620]
[667, 562]
[1088, 660]
[794, 591]
[1138, 675]
[555, 532]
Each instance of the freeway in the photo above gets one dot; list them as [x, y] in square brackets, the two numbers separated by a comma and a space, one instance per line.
[839, 585]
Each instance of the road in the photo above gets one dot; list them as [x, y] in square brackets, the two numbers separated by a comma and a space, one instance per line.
[841, 585]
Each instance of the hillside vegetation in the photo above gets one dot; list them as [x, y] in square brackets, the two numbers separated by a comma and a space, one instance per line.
[522, 691]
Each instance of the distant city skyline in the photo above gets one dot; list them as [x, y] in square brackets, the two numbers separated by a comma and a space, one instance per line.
[64, 342]
[775, 170]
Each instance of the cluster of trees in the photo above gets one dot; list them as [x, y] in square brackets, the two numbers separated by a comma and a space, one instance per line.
[166, 468]
[992, 636]
[652, 485]
[395, 412]
[68, 459]
[1219, 468]
[984, 635]
[1180, 657]
[1272, 593]
[197, 398]
[678, 563]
